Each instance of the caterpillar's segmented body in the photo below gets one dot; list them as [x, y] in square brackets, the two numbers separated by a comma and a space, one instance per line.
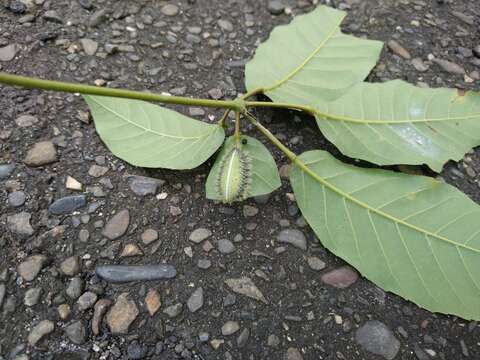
[235, 175]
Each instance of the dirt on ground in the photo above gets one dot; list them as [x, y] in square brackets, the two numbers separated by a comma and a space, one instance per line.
[53, 306]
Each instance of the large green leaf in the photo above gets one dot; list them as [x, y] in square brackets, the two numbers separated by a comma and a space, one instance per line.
[311, 59]
[148, 135]
[398, 123]
[411, 235]
[265, 178]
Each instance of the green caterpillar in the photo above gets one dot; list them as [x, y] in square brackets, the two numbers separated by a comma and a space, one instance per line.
[235, 175]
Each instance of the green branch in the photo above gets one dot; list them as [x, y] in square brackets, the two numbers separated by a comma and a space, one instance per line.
[35, 83]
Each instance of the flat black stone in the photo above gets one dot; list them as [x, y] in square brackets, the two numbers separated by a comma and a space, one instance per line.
[67, 205]
[127, 273]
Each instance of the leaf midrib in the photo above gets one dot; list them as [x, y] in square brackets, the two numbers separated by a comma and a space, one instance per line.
[366, 206]
[335, 29]
[149, 129]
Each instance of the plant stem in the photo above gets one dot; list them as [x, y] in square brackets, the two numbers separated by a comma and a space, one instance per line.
[237, 128]
[36, 83]
[307, 109]
[221, 122]
[290, 154]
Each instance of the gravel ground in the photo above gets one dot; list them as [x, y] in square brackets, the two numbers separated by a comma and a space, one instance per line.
[252, 281]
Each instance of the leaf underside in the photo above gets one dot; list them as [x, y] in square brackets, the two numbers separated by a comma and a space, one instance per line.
[311, 57]
[148, 135]
[265, 178]
[398, 123]
[411, 235]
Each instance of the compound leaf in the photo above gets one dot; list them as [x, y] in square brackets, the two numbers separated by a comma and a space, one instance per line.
[312, 58]
[398, 123]
[148, 135]
[411, 235]
[265, 178]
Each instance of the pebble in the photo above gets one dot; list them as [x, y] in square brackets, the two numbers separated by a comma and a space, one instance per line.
[131, 250]
[249, 211]
[419, 65]
[315, 263]
[83, 235]
[225, 246]
[67, 204]
[136, 351]
[122, 314]
[53, 16]
[242, 339]
[225, 25]
[245, 286]
[273, 340]
[87, 300]
[70, 266]
[73, 184]
[89, 46]
[6, 170]
[340, 278]
[64, 311]
[127, 273]
[449, 66]
[153, 302]
[40, 330]
[170, 10]
[173, 310]
[16, 198]
[200, 234]
[144, 186]
[41, 153]
[20, 224]
[99, 311]
[378, 339]
[24, 121]
[31, 267]
[230, 327]
[293, 354]
[76, 332]
[97, 170]
[32, 296]
[204, 264]
[293, 237]
[275, 7]
[16, 6]
[117, 225]
[75, 288]
[8, 53]
[398, 49]
[195, 301]
[149, 236]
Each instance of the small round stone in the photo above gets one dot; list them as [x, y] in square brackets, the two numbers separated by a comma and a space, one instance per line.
[16, 198]
[149, 236]
[170, 10]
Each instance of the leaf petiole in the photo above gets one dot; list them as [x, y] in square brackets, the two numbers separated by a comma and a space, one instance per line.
[35, 83]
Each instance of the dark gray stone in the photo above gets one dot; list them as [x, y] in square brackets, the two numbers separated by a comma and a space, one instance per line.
[16, 198]
[126, 273]
[67, 204]
[143, 186]
[293, 237]
[6, 170]
[275, 7]
[76, 332]
[378, 339]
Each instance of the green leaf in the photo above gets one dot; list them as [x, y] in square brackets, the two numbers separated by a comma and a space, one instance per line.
[148, 135]
[398, 123]
[411, 235]
[265, 178]
[311, 59]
